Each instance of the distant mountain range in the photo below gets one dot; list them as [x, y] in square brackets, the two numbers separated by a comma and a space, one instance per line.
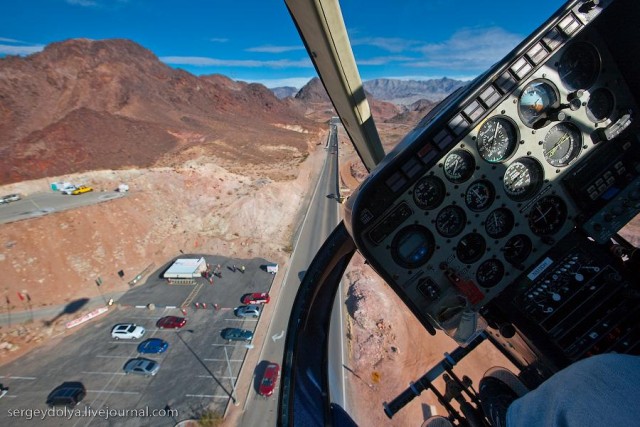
[399, 92]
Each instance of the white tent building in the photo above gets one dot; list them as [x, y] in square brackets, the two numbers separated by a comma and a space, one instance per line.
[186, 268]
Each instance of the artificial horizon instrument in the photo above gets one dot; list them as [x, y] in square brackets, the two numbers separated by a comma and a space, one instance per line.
[498, 217]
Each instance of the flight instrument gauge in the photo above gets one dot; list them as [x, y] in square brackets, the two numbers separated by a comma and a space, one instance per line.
[471, 248]
[412, 246]
[537, 102]
[517, 249]
[429, 192]
[479, 195]
[490, 273]
[600, 105]
[499, 223]
[497, 139]
[459, 166]
[562, 144]
[579, 66]
[451, 220]
[523, 178]
[547, 216]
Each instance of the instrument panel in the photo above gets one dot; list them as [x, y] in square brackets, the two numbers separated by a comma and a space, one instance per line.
[482, 189]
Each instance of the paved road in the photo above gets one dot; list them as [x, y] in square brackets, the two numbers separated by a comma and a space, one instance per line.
[40, 204]
[320, 220]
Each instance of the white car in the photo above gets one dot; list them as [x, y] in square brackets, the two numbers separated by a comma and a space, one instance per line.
[248, 311]
[141, 366]
[9, 198]
[127, 331]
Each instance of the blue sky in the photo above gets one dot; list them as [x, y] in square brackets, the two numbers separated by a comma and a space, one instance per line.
[256, 41]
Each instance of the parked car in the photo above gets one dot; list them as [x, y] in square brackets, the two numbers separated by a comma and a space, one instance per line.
[81, 190]
[256, 298]
[127, 331]
[68, 190]
[9, 198]
[141, 366]
[153, 346]
[236, 334]
[247, 311]
[269, 379]
[67, 394]
[171, 322]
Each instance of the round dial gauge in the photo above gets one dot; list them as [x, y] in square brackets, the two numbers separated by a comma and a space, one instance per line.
[499, 223]
[562, 144]
[459, 166]
[579, 66]
[479, 195]
[497, 139]
[523, 178]
[600, 105]
[536, 102]
[517, 249]
[547, 215]
[471, 248]
[490, 273]
[412, 246]
[429, 192]
[451, 221]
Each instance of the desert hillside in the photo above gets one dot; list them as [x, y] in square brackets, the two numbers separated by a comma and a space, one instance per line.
[83, 105]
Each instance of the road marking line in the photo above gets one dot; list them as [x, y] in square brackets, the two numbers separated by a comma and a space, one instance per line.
[17, 378]
[208, 395]
[124, 342]
[223, 345]
[223, 360]
[103, 373]
[113, 391]
[115, 357]
[211, 376]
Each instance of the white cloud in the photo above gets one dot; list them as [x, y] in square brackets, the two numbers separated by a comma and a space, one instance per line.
[468, 49]
[6, 40]
[199, 61]
[274, 49]
[6, 49]
[218, 40]
[383, 60]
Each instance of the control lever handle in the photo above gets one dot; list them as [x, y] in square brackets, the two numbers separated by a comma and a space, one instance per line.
[417, 387]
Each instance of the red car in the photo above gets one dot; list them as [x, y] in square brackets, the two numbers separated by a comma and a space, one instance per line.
[256, 298]
[269, 379]
[171, 322]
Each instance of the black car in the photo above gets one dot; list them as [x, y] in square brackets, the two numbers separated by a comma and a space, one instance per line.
[236, 334]
[67, 394]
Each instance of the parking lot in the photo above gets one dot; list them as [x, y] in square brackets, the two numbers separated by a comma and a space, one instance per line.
[198, 369]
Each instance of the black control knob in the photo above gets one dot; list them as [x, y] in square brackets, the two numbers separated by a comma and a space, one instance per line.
[507, 330]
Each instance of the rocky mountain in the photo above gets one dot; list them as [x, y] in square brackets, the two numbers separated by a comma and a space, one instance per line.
[405, 92]
[314, 93]
[284, 91]
[83, 105]
[413, 113]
